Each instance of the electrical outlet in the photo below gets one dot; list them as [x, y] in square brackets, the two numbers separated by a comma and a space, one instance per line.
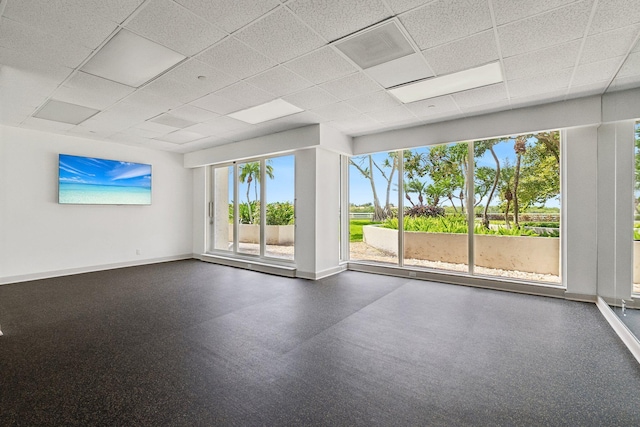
[248, 265]
[412, 274]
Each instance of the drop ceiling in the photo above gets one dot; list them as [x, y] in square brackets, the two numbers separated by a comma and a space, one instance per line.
[239, 54]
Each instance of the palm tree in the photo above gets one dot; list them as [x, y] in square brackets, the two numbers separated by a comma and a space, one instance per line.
[481, 147]
[249, 172]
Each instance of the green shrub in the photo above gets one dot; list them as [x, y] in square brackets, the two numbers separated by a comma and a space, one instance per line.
[458, 224]
[243, 211]
[280, 213]
[424, 211]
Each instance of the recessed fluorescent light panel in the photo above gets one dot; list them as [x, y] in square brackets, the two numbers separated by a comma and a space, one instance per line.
[376, 45]
[451, 83]
[65, 112]
[131, 60]
[269, 111]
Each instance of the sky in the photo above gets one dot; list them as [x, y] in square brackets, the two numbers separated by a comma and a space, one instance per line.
[279, 189]
[360, 189]
[87, 170]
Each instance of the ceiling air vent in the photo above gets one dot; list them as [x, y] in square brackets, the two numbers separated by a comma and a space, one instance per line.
[376, 45]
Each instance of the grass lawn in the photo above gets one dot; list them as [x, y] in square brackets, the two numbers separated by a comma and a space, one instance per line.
[355, 229]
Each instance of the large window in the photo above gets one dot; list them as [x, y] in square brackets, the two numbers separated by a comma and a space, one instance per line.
[253, 208]
[507, 188]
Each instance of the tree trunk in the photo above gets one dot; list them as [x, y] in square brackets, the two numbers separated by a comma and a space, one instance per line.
[249, 201]
[516, 180]
[485, 215]
[387, 207]
[506, 214]
[378, 213]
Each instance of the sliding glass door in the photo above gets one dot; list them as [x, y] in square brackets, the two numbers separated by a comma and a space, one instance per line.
[252, 210]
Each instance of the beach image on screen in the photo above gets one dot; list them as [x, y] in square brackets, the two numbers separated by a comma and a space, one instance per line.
[90, 181]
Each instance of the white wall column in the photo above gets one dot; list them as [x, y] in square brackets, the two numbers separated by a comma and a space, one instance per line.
[615, 209]
[579, 216]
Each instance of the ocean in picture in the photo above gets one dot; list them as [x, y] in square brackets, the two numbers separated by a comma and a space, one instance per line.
[103, 194]
[86, 180]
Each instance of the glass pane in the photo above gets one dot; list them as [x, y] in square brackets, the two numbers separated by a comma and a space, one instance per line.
[517, 207]
[435, 213]
[249, 208]
[222, 222]
[373, 198]
[280, 225]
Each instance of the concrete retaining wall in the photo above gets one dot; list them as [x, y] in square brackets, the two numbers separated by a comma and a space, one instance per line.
[282, 235]
[518, 253]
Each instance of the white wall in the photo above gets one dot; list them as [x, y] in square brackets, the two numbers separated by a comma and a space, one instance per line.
[40, 238]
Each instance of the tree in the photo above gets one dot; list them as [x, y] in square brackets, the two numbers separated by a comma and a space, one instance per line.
[249, 172]
[480, 147]
[520, 147]
[365, 165]
[506, 178]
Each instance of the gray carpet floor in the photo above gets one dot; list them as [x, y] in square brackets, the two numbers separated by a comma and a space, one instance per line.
[191, 343]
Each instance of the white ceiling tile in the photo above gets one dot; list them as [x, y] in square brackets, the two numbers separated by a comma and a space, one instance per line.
[320, 66]
[444, 21]
[608, 45]
[542, 61]
[470, 52]
[217, 104]
[174, 89]
[283, 123]
[194, 114]
[623, 83]
[180, 137]
[171, 25]
[114, 10]
[433, 106]
[279, 81]
[62, 19]
[631, 66]
[311, 98]
[280, 36]
[508, 10]
[189, 72]
[204, 129]
[545, 30]
[224, 124]
[144, 133]
[245, 94]
[82, 131]
[596, 71]
[36, 123]
[153, 144]
[110, 121]
[374, 102]
[481, 96]
[149, 103]
[31, 41]
[399, 71]
[588, 90]
[399, 6]
[19, 64]
[435, 118]
[540, 85]
[236, 59]
[337, 18]
[392, 115]
[171, 120]
[612, 14]
[351, 86]
[338, 111]
[91, 91]
[158, 128]
[230, 15]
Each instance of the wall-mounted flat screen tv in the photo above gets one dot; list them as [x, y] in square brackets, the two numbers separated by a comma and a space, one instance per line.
[91, 181]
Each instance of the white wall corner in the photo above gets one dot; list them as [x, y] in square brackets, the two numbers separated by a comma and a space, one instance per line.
[334, 140]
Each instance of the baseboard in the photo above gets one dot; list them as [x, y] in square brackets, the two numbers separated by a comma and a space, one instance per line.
[250, 264]
[455, 278]
[620, 328]
[321, 274]
[580, 297]
[89, 269]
